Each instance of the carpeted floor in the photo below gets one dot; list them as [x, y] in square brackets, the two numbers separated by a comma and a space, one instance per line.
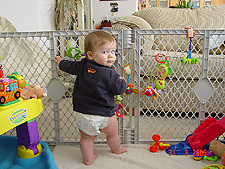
[137, 157]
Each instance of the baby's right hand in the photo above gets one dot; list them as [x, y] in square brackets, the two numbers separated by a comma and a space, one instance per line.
[57, 59]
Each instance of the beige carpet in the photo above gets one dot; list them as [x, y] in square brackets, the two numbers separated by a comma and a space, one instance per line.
[137, 157]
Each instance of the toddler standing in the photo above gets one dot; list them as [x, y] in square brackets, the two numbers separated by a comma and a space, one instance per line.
[94, 90]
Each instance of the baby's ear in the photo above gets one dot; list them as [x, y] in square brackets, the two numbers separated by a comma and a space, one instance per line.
[90, 55]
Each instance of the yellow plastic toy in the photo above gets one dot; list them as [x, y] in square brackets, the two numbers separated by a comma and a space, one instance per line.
[212, 166]
[18, 113]
[25, 153]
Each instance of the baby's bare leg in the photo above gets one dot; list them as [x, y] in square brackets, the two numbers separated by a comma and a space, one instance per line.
[87, 148]
[113, 139]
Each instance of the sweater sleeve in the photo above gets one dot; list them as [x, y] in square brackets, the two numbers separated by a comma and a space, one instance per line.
[70, 67]
[118, 85]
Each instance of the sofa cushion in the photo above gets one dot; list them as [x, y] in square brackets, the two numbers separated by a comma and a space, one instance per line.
[119, 26]
[132, 22]
[178, 18]
[211, 17]
[168, 18]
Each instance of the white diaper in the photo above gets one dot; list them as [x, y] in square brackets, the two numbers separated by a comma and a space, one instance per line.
[90, 124]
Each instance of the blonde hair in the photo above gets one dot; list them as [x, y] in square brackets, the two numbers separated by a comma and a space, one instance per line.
[95, 39]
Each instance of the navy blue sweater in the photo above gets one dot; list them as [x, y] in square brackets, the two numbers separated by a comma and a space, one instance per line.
[95, 87]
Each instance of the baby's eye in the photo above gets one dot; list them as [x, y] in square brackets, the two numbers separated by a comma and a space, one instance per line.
[113, 51]
[105, 52]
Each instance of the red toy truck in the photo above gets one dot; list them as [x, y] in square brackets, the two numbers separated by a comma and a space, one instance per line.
[9, 90]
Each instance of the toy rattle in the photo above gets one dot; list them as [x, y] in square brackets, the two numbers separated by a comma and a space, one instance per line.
[118, 106]
[156, 144]
[130, 89]
[149, 90]
[163, 71]
[77, 56]
[186, 60]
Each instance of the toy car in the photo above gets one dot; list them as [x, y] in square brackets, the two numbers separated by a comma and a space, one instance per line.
[9, 90]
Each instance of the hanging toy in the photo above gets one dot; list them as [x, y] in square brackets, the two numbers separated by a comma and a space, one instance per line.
[162, 71]
[149, 90]
[118, 106]
[130, 89]
[1, 71]
[186, 60]
[77, 56]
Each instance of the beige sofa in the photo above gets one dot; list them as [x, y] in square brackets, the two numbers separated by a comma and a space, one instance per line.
[173, 18]
[179, 18]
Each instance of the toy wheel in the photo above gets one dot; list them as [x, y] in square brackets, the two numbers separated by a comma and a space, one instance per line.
[17, 94]
[2, 100]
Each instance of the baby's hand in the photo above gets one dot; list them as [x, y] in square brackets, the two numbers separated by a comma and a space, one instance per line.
[57, 59]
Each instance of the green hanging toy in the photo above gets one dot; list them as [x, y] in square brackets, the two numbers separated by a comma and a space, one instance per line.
[186, 60]
[77, 56]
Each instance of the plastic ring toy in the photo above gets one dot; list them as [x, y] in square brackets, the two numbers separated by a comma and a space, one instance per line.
[167, 62]
[215, 158]
[158, 60]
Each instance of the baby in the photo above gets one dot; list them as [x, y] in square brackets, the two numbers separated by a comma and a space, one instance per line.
[94, 90]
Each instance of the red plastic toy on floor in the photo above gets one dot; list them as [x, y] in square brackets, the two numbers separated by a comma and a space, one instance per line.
[206, 132]
[156, 144]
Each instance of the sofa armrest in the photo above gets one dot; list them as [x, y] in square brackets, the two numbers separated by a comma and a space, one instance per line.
[129, 22]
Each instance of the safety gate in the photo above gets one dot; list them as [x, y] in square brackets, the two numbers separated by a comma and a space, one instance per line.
[192, 93]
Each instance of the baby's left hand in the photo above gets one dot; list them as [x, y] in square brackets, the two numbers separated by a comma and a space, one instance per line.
[58, 59]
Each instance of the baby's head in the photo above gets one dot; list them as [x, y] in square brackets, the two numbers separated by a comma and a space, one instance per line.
[96, 39]
[100, 46]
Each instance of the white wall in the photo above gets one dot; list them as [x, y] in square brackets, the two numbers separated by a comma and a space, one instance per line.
[102, 8]
[29, 15]
[38, 15]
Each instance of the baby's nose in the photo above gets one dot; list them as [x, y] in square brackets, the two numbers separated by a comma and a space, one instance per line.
[110, 54]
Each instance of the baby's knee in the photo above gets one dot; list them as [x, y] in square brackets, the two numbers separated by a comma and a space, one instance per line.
[86, 136]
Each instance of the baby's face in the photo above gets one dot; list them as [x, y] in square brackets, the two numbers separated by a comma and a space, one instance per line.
[105, 54]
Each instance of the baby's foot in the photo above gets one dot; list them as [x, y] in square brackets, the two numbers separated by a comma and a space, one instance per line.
[90, 161]
[120, 150]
